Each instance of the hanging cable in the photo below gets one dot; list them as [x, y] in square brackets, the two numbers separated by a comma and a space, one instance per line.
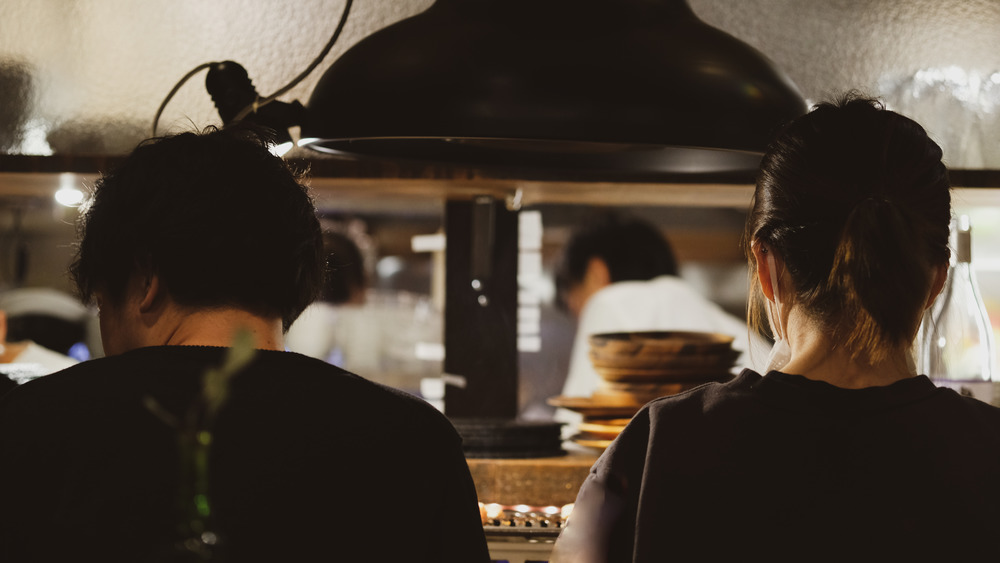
[174, 90]
[312, 66]
[259, 102]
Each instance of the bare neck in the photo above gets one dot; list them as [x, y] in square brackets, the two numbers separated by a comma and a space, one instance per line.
[218, 327]
[177, 326]
[816, 356]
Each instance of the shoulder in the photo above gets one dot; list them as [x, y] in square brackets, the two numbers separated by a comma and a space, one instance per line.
[973, 411]
[984, 410]
[622, 305]
[48, 359]
[65, 382]
[703, 409]
[707, 399]
[668, 296]
[328, 387]
[636, 290]
[298, 386]
[660, 285]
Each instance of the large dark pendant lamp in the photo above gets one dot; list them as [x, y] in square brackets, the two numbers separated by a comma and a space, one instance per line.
[634, 87]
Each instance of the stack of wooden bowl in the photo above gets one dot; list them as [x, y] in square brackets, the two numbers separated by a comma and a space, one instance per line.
[637, 367]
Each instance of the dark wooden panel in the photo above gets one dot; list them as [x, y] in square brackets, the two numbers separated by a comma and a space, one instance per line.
[480, 331]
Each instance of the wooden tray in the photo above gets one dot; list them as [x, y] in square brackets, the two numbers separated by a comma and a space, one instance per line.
[596, 443]
[598, 430]
[637, 392]
[589, 407]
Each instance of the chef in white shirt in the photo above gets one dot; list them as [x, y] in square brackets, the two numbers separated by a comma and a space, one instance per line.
[619, 274]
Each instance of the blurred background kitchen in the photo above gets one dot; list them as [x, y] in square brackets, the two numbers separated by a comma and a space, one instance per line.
[81, 80]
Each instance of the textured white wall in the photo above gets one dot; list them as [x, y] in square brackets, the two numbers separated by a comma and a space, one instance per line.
[101, 67]
[106, 65]
[934, 60]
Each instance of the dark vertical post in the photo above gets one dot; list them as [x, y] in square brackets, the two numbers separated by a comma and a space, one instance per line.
[480, 316]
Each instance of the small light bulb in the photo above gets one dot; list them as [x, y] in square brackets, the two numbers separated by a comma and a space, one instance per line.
[68, 193]
[69, 197]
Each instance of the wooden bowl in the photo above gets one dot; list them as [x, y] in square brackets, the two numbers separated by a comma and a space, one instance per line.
[663, 376]
[593, 408]
[605, 429]
[660, 343]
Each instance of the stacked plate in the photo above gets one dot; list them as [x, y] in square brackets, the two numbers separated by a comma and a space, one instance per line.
[637, 367]
[662, 357]
[511, 439]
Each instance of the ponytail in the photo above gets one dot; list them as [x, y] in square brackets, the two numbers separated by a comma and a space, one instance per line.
[876, 279]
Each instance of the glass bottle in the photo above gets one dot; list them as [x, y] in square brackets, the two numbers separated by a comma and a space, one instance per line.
[956, 347]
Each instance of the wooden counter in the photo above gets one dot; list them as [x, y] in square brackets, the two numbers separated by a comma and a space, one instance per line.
[550, 481]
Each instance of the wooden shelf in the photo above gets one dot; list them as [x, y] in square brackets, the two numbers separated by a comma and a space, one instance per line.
[370, 184]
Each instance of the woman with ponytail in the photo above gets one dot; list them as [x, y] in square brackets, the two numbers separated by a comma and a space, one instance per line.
[841, 450]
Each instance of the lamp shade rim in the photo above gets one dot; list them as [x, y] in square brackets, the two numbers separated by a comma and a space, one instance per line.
[451, 77]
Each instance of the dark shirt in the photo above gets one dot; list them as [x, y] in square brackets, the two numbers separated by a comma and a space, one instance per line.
[789, 469]
[6, 384]
[309, 463]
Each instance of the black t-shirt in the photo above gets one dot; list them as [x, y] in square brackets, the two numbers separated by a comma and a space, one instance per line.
[782, 468]
[308, 463]
[6, 384]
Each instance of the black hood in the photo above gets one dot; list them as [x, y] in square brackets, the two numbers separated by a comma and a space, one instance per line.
[636, 87]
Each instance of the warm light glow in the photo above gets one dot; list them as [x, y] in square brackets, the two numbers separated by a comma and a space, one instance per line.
[281, 149]
[70, 197]
[35, 141]
[68, 194]
[494, 510]
[389, 266]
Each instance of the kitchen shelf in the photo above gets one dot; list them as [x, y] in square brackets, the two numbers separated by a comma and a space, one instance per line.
[372, 184]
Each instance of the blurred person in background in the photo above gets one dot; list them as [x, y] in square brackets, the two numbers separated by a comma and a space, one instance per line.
[315, 332]
[839, 450]
[39, 330]
[619, 274]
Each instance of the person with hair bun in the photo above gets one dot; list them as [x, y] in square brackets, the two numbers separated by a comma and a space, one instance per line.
[841, 450]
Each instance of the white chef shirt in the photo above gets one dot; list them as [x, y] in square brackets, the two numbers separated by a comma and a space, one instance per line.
[662, 303]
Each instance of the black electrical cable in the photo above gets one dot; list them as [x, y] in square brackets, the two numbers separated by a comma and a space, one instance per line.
[192, 72]
[312, 66]
[262, 101]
